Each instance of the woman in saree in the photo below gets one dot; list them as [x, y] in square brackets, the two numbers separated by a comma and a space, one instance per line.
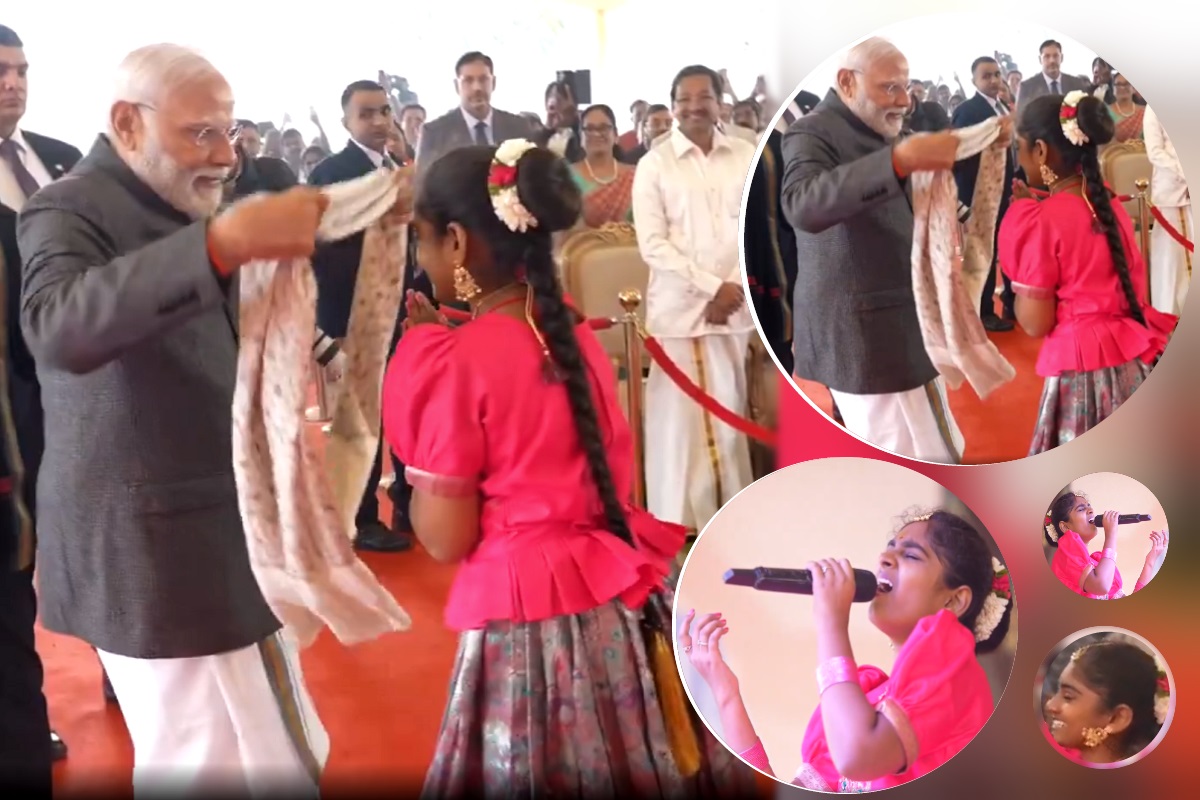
[606, 183]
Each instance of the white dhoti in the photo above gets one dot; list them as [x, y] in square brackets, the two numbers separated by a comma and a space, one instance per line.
[239, 723]
[695, 462]
[1170, 262]
[917, 423]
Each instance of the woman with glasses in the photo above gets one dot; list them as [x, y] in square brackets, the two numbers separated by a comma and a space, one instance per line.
[606, 183]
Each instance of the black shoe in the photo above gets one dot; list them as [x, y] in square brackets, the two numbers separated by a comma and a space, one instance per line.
[997, 325]
[376, 537]
[58, 748]
[110, 696]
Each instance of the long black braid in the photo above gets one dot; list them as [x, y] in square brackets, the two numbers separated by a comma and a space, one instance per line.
[1040, 121]
[455, 190]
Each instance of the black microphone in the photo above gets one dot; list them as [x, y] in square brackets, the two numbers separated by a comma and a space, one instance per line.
[1122, 519]
[798, 581]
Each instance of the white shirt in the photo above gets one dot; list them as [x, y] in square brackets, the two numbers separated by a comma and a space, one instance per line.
[375, 156]
[685, 208]
[10, 191]
[1168, 188]
[487, 121]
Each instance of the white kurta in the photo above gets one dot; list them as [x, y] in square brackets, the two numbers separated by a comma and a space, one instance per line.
[686, 207]
[1170, 262]
[232, 724]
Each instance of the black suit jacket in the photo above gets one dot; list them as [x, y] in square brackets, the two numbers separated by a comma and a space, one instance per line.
[335, 264]
[972, 112]
[770, 247]
[24, 391]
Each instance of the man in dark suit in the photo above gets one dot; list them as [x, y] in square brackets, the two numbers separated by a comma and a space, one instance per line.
[1051, 80]
[126, 309]
[846, 194]
[367, 115]
[475, 121]
[27, 163]
[987, 103]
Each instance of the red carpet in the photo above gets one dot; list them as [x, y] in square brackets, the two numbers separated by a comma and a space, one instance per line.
[998, 429]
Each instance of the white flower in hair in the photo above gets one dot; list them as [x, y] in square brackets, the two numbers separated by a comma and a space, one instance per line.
[1162, 691]
[502, 185]
[510, 151]
[994, 604]
[1068, 118]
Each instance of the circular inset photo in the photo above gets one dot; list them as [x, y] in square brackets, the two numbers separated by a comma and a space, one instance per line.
[1104, 698]
[950, 247]
[855, 647]
[1101, 530]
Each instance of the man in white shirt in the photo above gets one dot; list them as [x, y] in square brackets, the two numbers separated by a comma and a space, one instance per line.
[687, 197]
[1170, 262]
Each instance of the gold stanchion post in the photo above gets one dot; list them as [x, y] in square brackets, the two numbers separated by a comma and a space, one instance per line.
[1143, 206]
[631, 300]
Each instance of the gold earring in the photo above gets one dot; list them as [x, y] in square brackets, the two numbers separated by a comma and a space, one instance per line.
[1094, 737]
[465, 287]
[1048, 176]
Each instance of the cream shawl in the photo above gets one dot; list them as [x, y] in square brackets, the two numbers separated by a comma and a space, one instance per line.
[297, 505]
[947, 294]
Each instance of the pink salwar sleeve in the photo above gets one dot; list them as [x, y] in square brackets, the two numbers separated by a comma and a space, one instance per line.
[924, 702]
[431, 414]
[1071, 562]
[756, 757]
[1028, 251]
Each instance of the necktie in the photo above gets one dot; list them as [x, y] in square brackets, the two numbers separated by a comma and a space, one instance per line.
[387, 162]
[481, 136]
[1000, 109]
[10, 151]
[1054, 87]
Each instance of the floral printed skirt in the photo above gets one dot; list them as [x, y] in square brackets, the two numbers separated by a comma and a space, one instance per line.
[566, 708]
[1075, 402]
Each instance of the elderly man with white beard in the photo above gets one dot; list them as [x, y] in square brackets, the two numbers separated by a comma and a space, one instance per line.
[845, 191]
[128, 308]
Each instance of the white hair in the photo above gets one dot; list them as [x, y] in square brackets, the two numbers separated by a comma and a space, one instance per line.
[862, 55]
[148, 73]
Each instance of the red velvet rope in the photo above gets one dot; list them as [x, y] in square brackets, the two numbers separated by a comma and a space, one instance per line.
[685, 384]
[1125, 198]
[1169, 228]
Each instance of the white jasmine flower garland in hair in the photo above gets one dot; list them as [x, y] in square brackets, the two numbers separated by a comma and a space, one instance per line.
[1051, 531]
[1068, 116]
[502, 185]
[1162, 692]
[995, 603]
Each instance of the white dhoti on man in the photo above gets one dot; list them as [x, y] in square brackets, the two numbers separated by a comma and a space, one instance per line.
[686, 202]
[1170, 262]
[917, 423]
[695, 462]
[237, 724]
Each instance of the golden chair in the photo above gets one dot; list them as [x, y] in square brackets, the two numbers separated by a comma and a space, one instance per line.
[597, 265]
[1122, 164]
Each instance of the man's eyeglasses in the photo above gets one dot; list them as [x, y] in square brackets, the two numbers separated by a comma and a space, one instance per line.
[205, 136]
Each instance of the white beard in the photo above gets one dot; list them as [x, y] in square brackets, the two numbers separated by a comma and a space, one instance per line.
[174, 184]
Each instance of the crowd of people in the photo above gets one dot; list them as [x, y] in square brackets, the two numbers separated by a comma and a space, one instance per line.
[1064, 252]
[121, 268]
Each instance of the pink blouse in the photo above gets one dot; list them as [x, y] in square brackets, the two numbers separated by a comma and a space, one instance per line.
[1072, 562]
[467, 411]
[1050, 251]
[937, 699]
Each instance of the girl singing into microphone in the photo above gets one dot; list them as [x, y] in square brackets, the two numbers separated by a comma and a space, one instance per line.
[944, 599]
[1070, 527]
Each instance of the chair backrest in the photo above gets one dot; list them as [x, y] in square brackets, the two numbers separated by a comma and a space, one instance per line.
[1122, 164]
[598, 264]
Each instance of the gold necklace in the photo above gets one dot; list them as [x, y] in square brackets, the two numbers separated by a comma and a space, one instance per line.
[1128, 113]
[592, 175]
[488, 301]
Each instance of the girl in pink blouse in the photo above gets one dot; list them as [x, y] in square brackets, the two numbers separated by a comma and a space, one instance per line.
[945, 599]
[1077, 271]
[1070, 527]
[521, 464]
